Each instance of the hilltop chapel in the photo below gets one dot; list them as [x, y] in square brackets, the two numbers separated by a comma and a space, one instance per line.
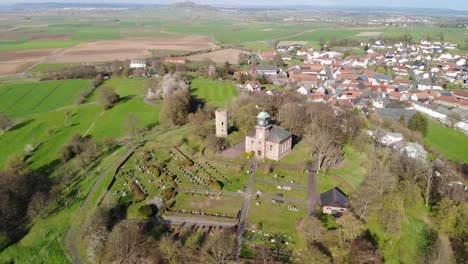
[268, 141]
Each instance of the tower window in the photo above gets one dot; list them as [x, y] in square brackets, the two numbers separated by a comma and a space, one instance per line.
[222, 123]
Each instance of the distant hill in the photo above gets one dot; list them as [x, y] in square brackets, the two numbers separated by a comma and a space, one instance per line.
[188, 5]
[57, 5]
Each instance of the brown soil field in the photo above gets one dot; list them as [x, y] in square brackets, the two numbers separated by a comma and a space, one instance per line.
[51, 37]
[108, 50]
[12, 62]
[11, 68]
[369, 34]
[219, 56]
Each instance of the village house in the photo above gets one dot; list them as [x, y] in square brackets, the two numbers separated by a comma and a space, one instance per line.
[252, 86]
[452, 101]
[264, 70]
[461, 94]
[334, 202]
[386, 138]
[429, 109]
[176, 60]
[268, 141]
[267, 55]
[412, 150]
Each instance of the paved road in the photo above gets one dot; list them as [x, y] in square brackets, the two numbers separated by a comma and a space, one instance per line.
[313, 196]
[147, 101]
[245, 208]
[283, 184]
[211, 192]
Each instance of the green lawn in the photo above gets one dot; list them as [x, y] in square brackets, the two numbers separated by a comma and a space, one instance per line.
[272, 189]
[29, 98]
[351, 170]
[401, 247]
[284, 176]
[451, 144]
[276, 218]
[229, 205]
[217, 93]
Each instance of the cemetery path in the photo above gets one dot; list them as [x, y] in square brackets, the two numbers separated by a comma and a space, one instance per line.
[273, 197]
[211, 192]
[313, 196]
[187, 220]
[283, 184]
[245, 208]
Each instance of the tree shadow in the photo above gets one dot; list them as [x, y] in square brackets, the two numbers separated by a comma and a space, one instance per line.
[371, 237]
[21, 125]
[196, 102]
[152, 125]
[126, 99]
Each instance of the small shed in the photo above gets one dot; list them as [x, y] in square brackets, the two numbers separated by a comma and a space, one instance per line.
[334, 202]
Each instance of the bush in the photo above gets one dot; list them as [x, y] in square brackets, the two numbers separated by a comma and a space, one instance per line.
[217, 186]
[168, 178]
[249, 155]
[145, 210]
[4, 240]
[184, 162]
[155, 170]
[168, 194]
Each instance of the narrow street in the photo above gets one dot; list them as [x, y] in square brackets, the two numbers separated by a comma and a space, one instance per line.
[245, 208]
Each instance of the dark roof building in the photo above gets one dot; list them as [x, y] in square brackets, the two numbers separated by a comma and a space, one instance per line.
[334, 197]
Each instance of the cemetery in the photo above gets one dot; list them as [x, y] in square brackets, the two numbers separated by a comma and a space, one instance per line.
[182, 184]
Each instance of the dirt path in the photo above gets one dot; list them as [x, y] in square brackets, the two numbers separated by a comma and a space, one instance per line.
[313, 196]
[70, 239]
[245, 209]
[92, 125]
[270, 42]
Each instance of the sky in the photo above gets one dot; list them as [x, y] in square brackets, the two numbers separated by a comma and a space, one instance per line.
[450, 4]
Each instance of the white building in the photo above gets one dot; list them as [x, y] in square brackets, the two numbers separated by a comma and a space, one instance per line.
[136, 64]
[428, 110]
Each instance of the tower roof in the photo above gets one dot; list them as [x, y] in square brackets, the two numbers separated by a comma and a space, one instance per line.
[263, 115]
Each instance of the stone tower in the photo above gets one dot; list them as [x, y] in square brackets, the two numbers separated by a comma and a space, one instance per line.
[221, 123]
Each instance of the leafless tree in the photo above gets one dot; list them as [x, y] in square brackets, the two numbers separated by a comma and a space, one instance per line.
[324, 138]
[222, 248]
[107, 97]
[175, 109]
[38, 205]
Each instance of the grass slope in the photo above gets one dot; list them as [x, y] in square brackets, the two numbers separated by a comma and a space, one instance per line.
[447, 141]
[217, 93]
[28, 98]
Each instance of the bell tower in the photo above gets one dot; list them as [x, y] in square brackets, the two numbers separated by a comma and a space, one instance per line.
[221, 123]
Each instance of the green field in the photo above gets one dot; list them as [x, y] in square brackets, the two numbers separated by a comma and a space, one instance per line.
[447, 141]
[48, 126]
[50, 67]
[21, 99]
[217, 93]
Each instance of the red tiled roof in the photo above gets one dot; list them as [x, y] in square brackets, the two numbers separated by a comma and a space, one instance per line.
[461, 93]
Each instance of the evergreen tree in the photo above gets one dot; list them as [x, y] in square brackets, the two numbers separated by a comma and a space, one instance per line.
[419, 123]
